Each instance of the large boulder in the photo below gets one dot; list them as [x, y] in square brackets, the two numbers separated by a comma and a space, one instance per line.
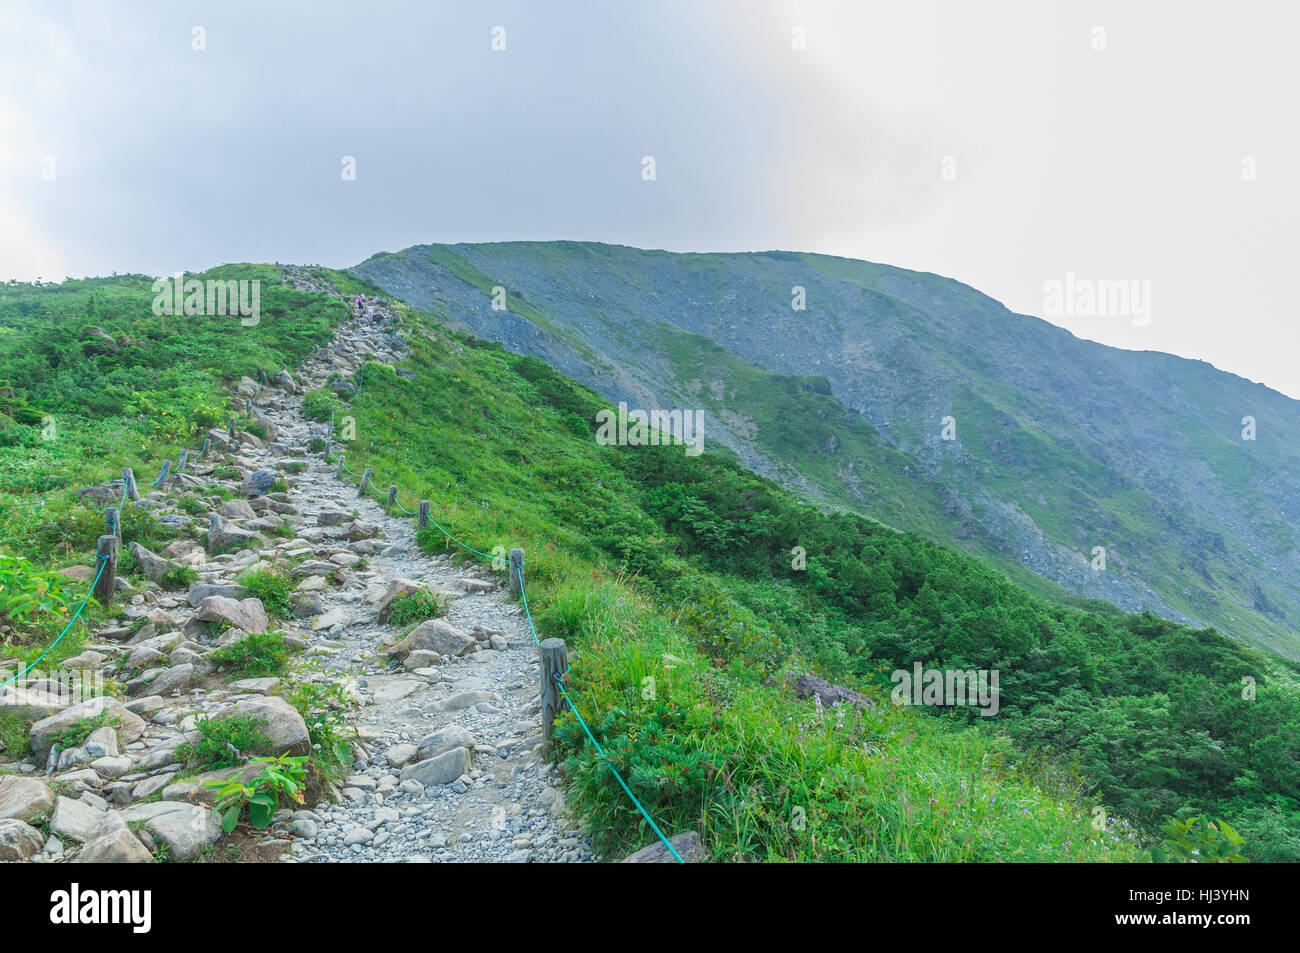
[202, 590]
[687, 844]
[150, 563]
[117, 845]
[359, 529]
[247, 614]
[185, 828]
[223, 536]
[18, 840]
[809, 685]
[22, 799]
[177, 678]
[75, 820]
[128, 727]
[282, 724]
[237, 510]
[284, 381]
[436, 635]
[443, 769]
[258, 483]
[443, 740]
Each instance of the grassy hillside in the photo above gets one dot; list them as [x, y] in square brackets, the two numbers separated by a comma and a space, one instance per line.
[655, 565]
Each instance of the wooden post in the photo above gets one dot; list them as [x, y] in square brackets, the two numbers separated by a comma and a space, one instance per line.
[113, 522]
[516, 572]
[106, 548]
[248, 407]
[555, 661]
[365, 478]
[424, 515]
[180, 461]
[128, 478]
[232, 429]
[338, 473]
[392, 494]
[162, 477]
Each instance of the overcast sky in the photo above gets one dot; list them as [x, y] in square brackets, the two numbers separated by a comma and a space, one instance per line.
[1005, 144]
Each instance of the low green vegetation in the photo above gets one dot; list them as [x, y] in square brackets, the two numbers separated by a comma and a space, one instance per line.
[271, 586]
[76, 733]
[318, 404]
[222, 742]
[254, 656]
[280, 777]
[416, 606]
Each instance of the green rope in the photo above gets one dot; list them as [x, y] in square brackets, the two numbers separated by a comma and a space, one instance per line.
[103, 561]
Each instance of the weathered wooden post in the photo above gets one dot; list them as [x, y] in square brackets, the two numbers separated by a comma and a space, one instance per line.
[555, 662]
[232, 430]
[162, 477]
[180, 461]
[248, 407]
[128, 479]
[338, 473]
[392, 494]
[365, 478]
[516, 572]
[113, 522]
[106, 552]
[423, 520]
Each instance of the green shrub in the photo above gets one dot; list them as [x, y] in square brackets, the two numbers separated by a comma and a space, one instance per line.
[178, 577]
[416, 606]
[318, 404]
[15, 735]
[254, 656]
[316, 444]
[274, 589]
[325, 707]
[222, 742]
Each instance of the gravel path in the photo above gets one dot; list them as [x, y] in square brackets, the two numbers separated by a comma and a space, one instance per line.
[508, 806]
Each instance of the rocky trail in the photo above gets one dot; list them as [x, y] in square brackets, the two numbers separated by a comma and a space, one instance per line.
[448, 747]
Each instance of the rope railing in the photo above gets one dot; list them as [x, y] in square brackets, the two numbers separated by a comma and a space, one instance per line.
[532, 628]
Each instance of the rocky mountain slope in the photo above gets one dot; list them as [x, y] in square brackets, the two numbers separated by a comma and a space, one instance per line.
[1061, 449]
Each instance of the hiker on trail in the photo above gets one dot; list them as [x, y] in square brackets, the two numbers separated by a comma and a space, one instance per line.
[359, 304]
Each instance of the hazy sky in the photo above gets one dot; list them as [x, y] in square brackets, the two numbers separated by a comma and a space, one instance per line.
[1005, 144]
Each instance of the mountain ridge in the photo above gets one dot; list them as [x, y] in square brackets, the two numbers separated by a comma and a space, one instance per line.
[1063, 444]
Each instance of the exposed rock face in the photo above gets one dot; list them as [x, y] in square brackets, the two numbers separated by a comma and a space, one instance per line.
[19, 841]
[223, 536]
[282, 724]
[129, 727]
[247, 614]
[686, 844]
[23, 799]
[258, 483]
[435, 635]
[809, 685]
